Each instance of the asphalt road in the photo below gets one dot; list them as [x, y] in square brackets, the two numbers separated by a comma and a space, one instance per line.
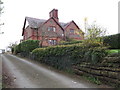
[29, 74]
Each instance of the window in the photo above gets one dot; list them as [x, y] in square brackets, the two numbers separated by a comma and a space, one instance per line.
[52, 42]
[51, 29]
[72, 31]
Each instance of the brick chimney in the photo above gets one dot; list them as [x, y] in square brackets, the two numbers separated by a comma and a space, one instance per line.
[54, 14]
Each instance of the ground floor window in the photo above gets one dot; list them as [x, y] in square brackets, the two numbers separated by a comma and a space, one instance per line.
[52, 42]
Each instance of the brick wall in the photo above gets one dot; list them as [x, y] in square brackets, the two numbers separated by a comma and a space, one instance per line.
[74, 35]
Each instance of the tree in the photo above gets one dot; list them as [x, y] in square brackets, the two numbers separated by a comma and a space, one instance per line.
[95, 34]
[11, 46]
[95, 31]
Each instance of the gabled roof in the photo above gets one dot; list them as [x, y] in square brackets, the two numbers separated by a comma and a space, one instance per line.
[37, 23]
[55, 21]
[75, 25]
[34, 23]
[63, 24]
[70, 23]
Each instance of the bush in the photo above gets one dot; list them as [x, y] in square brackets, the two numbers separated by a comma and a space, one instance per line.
[29, 45]
[17, 49]
[12, 50]
[64, 56]
[26, 47]
[113, 41]
[94, 55]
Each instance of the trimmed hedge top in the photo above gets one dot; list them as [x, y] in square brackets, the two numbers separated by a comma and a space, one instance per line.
[26, 46]
[113, 41]
[74, 52]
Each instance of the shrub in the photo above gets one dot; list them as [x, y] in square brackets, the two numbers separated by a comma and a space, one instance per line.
[12, 50]
[97, 54]
[26, 47]
[64, 56]
[17, 49]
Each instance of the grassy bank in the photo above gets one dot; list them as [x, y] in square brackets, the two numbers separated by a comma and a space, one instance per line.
[112, 51]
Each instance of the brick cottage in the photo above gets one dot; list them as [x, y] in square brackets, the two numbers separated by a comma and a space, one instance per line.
[50, 31]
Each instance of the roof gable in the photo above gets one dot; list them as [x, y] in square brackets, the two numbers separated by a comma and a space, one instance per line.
[37, 23]
[55, 22]
[68, 24]
[34, 23]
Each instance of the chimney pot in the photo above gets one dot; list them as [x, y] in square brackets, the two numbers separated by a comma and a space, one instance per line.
[54, 14]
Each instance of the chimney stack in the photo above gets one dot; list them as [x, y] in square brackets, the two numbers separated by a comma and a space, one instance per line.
[54, 14]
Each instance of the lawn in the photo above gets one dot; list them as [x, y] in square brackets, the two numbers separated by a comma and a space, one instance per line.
[111, 51]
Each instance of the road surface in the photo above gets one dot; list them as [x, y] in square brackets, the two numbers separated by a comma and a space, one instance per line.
[29, 74]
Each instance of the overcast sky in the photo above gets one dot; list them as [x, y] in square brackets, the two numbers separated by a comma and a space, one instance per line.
[104, 12]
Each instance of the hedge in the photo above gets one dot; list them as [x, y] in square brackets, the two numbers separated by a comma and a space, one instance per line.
[17, 49]
[26, 47]
[113, 41]
[64, 56]
[29, 45]
[70, 42]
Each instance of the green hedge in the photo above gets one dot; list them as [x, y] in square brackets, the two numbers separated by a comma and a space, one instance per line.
[113, 41]
[70, 42]
[26, 47]
[29, 45]
[17, 49]
[64, 56]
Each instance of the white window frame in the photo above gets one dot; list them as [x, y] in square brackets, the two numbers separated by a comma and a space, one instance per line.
[52, 28]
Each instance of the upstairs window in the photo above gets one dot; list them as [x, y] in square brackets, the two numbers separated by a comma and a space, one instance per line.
[52, 29]
[72, 31]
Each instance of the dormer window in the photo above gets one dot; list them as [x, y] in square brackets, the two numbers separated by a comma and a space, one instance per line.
[52, 28]
[72, 31]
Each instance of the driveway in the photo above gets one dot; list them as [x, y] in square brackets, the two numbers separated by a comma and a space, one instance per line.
[30, 74]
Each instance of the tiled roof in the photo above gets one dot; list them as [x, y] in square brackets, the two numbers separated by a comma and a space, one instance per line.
[34, 23]
[63, 24]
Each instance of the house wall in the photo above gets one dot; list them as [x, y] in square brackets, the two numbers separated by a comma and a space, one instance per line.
[50, 35]
[76, 35]
[51, 22]
[28, 33]
[32, 34]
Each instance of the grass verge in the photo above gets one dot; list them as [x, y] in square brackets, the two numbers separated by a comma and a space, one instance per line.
[111, 51]
[93, 80]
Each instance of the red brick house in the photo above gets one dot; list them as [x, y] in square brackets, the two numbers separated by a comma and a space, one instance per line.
[50, 31]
